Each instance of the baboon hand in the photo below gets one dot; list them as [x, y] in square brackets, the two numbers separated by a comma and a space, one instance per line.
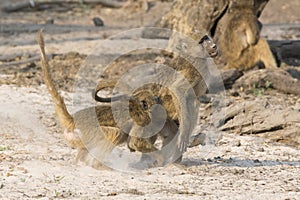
[182, 142]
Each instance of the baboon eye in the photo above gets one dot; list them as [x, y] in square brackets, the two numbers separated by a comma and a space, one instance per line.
[157, 99]
[144, 105]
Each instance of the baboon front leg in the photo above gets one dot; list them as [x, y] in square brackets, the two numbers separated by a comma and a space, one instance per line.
[143, 145]
[264, 54]
[169, 135]
[151, 156]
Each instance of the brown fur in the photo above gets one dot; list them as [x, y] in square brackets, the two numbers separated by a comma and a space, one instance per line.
[139, 143]
[241, 44]
[169, 101]
[94, 128]
[181, 65]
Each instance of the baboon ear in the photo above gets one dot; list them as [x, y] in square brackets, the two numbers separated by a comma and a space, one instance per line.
[132, 101]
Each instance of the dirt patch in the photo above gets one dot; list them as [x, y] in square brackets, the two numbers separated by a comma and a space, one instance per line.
[64, 70]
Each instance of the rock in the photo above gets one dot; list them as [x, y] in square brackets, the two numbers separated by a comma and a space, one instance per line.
[98, 22]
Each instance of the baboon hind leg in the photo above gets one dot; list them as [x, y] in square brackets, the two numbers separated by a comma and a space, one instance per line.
[83, 156]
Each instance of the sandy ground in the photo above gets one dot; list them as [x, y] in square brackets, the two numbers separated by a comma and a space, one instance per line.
[37, 163]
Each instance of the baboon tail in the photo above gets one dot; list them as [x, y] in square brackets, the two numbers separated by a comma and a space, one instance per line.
[103, 85]
[64, 116]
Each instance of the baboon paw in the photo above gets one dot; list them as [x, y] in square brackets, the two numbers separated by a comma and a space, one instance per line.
[182, 144]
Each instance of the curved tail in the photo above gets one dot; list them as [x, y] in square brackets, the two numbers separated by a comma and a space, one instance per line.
[60, 107]
[103, 85]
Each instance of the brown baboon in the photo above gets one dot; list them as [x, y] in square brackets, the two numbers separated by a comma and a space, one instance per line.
[94, 129]
[163, 93]
[240, 43]
[142, 140]
[188, 71]
[140, 143]
[169, 101]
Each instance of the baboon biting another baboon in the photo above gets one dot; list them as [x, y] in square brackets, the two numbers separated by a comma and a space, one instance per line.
[169, 100]
[95, 130]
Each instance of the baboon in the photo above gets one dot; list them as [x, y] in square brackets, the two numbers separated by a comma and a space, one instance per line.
[142, 139]
[164, 98]
[181, 65]
[161, 92]
[169, 101]
[240, 43]
[95, 130]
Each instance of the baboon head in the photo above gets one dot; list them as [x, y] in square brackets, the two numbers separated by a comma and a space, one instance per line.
[209, 45]
[141, 106]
